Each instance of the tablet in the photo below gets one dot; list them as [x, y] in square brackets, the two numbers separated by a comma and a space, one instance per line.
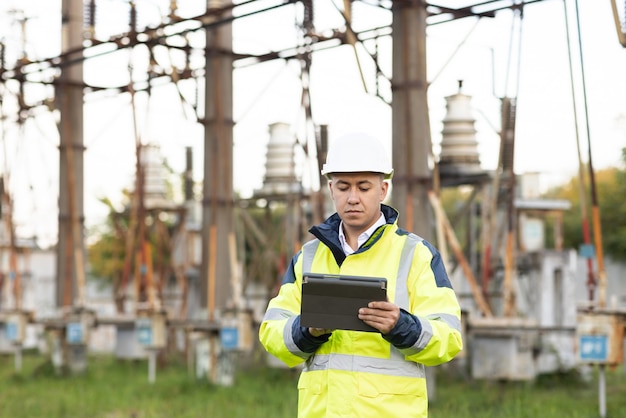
[332, 301]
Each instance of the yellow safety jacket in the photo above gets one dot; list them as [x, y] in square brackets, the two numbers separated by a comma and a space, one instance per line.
[366, 374]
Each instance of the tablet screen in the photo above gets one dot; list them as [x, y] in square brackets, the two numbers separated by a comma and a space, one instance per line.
[332, 301]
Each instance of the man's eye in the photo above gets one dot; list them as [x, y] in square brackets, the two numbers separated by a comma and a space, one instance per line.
[364, 189]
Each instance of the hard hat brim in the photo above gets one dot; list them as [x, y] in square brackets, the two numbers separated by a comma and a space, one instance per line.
[328, 174]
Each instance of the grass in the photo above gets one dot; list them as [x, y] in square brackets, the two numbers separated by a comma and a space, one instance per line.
[565, 395]
[113, 388]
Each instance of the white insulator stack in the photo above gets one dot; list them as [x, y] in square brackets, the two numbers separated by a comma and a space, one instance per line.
[459, 147]
[155, 177]
[280, 177]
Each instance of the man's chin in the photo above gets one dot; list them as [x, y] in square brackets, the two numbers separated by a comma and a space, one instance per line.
[352, 217]
[353, 222]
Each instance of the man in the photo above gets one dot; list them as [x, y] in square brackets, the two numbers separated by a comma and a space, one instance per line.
[366, 374]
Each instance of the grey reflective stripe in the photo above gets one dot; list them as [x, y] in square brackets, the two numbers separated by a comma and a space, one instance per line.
[422, 340]
[402, 298]
[308, 253]
[346, 362]
[451, 320]
[427, 331]
[288, 339]
[276, 313]
[406, 260]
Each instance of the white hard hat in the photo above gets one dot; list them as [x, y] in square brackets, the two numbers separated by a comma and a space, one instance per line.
[357, 153]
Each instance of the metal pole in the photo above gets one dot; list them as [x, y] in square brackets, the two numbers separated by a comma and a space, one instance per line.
[217, 203]
[602, 391]
[411, 147]
[18, 358]
[69, 98]
[152, 354]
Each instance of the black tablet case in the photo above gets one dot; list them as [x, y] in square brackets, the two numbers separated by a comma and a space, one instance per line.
[333, 301]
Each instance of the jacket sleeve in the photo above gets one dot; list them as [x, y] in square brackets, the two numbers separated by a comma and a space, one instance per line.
[280, 332]
[431, 332]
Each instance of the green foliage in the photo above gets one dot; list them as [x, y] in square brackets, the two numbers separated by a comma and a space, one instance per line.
[107, 249]
[613, 213]
[611, 190]
[105, 253]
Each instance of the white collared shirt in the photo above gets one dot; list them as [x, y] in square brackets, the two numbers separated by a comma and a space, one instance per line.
[362, 238]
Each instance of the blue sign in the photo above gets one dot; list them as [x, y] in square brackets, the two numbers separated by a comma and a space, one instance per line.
[74, 333]
[594, 347]
[144, 331]
[11, 331]
[229, 338]
[587, 251]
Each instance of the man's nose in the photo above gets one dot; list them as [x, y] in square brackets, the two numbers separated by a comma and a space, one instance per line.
[353, 195]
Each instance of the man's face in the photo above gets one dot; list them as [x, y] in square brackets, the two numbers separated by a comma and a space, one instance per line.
[357, 198]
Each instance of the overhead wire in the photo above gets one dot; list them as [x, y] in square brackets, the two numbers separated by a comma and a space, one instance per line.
[3, 181]
[107, 124]
[262, 93]
[20, 152]
[39, 171]
[582, 193]
[120, 41]
[305, 61]
[595, 208]
[493, 233]
[184, 102]
[351, 37]
[134, 237]
[456, 50]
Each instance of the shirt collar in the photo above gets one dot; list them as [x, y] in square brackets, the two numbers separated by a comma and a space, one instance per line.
[362, 238]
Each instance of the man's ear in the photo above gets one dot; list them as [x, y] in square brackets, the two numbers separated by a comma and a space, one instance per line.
[384, 189]
[330, 188]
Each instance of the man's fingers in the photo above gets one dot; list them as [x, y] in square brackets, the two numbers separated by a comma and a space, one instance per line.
[385, 306]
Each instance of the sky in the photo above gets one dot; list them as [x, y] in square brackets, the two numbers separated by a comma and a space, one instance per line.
[494, 57]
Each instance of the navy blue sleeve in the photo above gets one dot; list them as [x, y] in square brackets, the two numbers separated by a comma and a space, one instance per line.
[304, 340]
[290, 274]
[438, 268]
[406, 332]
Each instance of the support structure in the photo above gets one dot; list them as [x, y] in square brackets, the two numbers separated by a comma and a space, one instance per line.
[217, 203]
[411, 130]
[69, 100]
[411, 142]
[411, 149]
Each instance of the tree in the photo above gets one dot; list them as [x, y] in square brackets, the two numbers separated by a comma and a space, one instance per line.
[613, 212]
[611, 189]
[107, 250]
[105, 253]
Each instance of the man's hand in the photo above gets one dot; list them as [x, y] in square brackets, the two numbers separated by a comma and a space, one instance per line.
[316, 332]
[381, 315]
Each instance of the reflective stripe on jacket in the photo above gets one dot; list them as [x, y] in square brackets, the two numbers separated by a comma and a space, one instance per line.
[363, 374]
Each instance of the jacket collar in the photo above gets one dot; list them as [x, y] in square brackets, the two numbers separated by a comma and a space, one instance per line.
[328, 232]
